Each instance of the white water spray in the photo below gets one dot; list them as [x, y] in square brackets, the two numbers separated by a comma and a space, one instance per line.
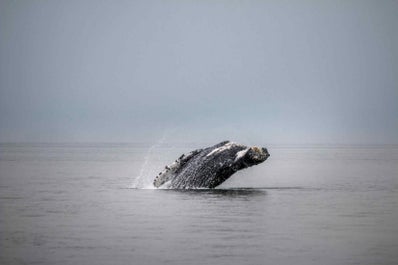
[142, 181]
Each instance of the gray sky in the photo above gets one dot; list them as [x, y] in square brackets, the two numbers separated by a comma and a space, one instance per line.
[255, 71]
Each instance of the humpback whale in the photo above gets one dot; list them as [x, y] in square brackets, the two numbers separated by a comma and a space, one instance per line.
[209, 167]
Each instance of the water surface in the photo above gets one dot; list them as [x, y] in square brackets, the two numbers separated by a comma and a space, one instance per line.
[84, 204]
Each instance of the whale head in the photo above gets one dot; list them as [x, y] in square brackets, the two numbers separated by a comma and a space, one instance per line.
[256, 155]
[250, 156]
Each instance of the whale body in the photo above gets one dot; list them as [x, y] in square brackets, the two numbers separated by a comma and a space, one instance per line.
[209, 167]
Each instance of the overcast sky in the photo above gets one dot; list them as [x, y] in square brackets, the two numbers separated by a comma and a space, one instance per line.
[255, 71]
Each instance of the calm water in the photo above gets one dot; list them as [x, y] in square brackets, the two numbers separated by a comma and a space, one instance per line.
[83, 204]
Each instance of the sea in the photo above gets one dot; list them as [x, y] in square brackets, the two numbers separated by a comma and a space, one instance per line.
[93, 203]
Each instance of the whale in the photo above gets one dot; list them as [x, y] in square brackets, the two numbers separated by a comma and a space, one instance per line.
[207, 168]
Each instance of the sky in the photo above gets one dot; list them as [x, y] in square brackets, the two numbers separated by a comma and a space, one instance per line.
[281, 72]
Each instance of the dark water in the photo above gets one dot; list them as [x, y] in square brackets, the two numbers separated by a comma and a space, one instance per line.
[81, 204]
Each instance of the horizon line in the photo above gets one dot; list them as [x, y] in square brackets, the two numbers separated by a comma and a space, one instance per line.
[320, 144]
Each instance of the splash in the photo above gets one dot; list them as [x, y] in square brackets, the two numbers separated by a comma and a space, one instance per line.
[144, 178]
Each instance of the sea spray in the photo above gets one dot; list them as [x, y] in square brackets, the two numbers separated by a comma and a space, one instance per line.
[145, 177]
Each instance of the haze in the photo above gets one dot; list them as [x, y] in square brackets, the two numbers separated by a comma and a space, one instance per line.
[258, 71]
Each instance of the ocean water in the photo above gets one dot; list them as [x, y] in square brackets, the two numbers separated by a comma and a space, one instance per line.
[92, 204]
